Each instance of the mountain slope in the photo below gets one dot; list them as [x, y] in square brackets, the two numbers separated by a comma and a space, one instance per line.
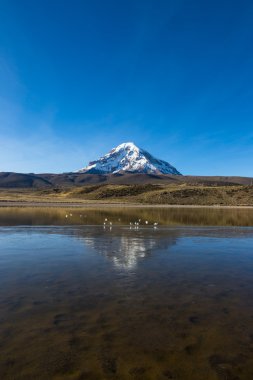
[127, 157]
[22, 180]
[10, 180]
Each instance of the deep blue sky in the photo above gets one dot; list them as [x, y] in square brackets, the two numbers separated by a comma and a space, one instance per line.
[79, 77]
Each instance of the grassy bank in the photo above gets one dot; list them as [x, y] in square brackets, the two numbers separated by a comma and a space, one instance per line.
[174, 194]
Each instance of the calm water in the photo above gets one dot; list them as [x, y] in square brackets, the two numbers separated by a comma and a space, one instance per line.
[12, 216]
[80, 301]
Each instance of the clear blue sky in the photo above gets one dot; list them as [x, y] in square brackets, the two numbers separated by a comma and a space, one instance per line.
[79, 77]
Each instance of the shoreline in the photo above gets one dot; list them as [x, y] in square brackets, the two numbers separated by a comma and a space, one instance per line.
[24, 204]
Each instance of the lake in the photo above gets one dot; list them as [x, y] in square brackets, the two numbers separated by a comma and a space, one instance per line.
[80, 300]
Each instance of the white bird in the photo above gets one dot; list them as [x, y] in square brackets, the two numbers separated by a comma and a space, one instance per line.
[66, 215]
[139, 220]
[105, 219]
[110, 223]
[146, 221]
[70, 214]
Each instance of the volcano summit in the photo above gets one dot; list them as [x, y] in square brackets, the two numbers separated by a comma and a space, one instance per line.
[128, 158]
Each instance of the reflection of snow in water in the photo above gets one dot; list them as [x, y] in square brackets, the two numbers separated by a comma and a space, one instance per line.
[130, 251]
[126, 250]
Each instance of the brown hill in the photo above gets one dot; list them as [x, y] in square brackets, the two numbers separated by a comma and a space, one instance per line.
[20, 180]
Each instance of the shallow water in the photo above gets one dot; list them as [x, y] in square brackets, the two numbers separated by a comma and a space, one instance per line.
[166, 216]
[84, 302]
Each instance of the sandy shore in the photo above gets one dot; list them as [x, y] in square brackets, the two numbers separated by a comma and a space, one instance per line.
[110, 205]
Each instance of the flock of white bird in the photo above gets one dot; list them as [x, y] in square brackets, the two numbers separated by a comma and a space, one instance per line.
[133, 225]
[69, 215]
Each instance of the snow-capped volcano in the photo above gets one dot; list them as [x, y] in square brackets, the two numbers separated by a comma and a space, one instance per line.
[127, 157]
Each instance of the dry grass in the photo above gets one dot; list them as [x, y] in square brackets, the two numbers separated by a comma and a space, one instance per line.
[174, 194]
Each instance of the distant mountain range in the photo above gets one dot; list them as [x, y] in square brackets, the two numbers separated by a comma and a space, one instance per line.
[125, 164]
[128, 158]
[46, 180]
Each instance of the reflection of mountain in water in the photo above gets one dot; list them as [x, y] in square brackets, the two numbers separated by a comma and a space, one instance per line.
[124, 251]
[124, 247]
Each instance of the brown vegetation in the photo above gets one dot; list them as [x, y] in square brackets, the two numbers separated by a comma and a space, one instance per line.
[167, 194]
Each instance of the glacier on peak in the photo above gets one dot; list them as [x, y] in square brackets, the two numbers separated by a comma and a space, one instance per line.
[128, 158]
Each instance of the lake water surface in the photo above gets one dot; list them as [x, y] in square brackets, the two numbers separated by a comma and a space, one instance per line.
[82, 301]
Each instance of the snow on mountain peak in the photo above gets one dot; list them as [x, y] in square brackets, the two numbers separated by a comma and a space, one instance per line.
[127, 157]
[127, 145]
